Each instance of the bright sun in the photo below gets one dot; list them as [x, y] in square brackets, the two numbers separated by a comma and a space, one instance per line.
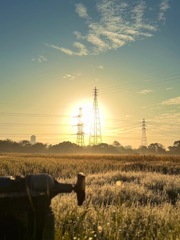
[87, 114]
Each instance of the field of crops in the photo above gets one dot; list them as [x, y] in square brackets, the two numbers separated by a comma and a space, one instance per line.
[129, 197]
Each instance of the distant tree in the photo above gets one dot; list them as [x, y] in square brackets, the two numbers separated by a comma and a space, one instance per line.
[25, 143]
[25, 146]
[175, 149]
[65, 147]
[116, 144]
[129, 149]
[9, 146]
[104, 148]
[142, 149]
[39, 147]
[156, 148]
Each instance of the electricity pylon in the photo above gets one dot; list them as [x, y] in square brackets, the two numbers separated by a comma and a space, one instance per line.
[80, 130]
[144, 137]
[95, 137]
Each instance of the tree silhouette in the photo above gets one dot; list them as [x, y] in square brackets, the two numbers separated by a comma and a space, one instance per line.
[116, 144]
[175, 149]
[156, 148]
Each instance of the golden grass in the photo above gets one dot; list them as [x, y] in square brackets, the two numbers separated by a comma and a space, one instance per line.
[129, 197]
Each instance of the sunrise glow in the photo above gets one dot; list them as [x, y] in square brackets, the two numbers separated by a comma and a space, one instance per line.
[51, 60]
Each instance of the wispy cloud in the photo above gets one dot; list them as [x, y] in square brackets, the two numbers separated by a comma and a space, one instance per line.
[82, 50]
[39, 59]
[145, 91]
[169, 88]
[115, 24]
[72, 76]
[164, 5]
[81, 10]
[172, 101]
[101, 67]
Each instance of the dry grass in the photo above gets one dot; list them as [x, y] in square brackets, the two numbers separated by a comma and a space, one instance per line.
[128, 197]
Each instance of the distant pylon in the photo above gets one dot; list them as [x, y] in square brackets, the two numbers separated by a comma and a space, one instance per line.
[144, 137]
[95, 137]
[80, 130]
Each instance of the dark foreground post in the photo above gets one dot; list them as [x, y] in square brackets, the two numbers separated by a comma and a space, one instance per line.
[25, 212]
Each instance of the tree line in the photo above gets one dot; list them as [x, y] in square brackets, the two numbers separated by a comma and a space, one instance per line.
[25, 146]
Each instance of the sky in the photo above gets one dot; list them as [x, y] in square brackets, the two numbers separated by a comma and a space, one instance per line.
[54, 53]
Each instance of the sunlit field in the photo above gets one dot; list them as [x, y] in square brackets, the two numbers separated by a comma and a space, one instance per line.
[127, 197]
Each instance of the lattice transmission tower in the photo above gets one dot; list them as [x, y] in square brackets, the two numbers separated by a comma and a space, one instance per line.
[95, 137]
[80, 130]
[144, 137]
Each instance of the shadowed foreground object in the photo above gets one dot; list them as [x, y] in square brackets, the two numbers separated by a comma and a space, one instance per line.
[25, 212]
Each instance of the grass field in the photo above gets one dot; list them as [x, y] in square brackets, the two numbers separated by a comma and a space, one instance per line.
[128, 196]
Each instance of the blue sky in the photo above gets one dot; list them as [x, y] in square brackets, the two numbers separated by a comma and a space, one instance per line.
[53, 53]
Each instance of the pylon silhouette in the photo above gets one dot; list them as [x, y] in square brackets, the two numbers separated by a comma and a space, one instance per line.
[80, 130]
[144, 137]
[95, 137]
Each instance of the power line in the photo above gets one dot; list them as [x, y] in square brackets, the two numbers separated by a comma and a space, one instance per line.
[15, 114]
[34, 124]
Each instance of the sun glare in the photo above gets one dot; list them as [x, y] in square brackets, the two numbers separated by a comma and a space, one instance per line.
[87, 115]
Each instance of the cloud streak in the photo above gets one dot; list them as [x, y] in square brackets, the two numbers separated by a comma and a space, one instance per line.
[172, 101]
[81, 10]
[145, 91]
[164, 5]
[72, 76]
[39, 59]
[115, 24]
[81, 49]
